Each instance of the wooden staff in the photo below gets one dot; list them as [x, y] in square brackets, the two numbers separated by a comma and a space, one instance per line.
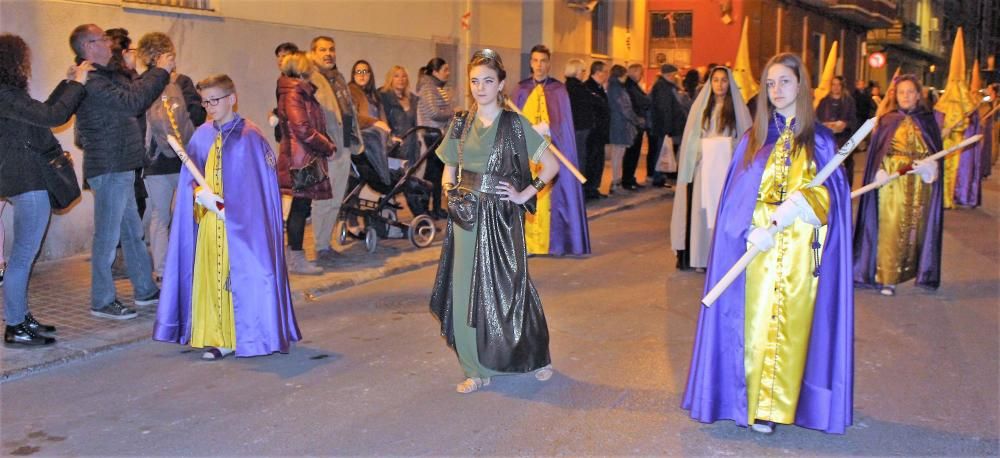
[559, 155]
[186, 160]
[843, 153]
[909, 168]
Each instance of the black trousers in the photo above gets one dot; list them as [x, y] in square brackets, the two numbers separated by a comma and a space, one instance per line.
[631, 160]
[594, 165]
[433, 172]
[653, 155]
[296, 224]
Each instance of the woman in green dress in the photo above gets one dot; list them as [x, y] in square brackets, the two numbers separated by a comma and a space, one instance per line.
[482, 277]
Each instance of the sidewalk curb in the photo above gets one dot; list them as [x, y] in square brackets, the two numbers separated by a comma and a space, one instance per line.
[311, 291]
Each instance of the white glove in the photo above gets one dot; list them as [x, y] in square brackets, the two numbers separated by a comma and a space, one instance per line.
[210, 201]
[796, 206]
[272, 120]
[761, 239]
[881, 177]
[928, 170]
[543, 129]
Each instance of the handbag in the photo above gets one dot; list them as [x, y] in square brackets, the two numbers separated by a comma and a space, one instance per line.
[463, 204]
[59, 177]
[667, 163]
[308, 175]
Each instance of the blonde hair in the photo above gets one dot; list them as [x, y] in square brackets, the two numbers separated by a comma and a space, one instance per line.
[805, 116]
[387, 87]
[574, 67]
[296, 64]
[153, 45]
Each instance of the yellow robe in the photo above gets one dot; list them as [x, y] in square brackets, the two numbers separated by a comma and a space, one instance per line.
[537, 225]
[212, 322]
[781, 288]
[902, 209]
[951, 164]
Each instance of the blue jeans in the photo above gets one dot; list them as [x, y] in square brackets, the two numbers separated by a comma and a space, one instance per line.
[31, 219]
[117, 217]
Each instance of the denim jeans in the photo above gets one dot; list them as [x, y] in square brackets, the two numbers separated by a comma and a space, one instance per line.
[159, 207]
[116, 217]
[31, 219]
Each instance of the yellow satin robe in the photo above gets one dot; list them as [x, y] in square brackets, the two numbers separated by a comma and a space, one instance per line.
[902, 208]
[537, 226]
[212, 322]
[781, 288]
[951, 162]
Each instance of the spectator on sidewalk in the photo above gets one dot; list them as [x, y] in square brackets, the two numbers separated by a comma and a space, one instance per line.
[112, 143]
[123, 59]
[624, 123]
[342, 126]
[669, 117]
[365, 97]
[434, 109]
[641, 104]
[280, 52]
[305, 146]
[838, 112]
[597, 138]
[25, 135]
[184, 115]
[225, 287]
[400, 107]
[583, 104]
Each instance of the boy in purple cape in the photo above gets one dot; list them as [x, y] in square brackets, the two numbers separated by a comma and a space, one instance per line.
[225, 285]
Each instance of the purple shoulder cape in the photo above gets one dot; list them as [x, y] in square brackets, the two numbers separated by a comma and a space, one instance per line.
[569, 233]
[262, 299]
[971, 168]
[716, 386]
[866, 230]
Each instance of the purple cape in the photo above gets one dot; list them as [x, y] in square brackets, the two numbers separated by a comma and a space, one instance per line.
[569, 234]
[968, 182]
[716, 387]
[986, 128]
[866, 231]
[262, 299]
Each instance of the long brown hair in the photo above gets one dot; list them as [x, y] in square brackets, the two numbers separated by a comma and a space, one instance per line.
[15, 61]
[727, 119]
[805, 117]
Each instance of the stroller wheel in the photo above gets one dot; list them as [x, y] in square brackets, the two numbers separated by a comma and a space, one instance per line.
[371, 239]
[422, 231]
[341, 232]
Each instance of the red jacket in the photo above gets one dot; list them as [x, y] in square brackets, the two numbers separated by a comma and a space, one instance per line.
[303, 136]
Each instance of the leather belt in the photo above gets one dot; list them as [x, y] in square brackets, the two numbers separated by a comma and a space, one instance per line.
[480, 182]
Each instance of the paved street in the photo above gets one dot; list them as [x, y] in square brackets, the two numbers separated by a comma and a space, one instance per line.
[374, 378]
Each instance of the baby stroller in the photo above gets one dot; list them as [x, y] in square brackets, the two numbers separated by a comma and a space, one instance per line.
[369, 210]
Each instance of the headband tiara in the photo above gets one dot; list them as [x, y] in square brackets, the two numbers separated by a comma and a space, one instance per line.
[486, 53]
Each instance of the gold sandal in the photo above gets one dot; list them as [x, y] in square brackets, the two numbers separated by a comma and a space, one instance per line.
[472, 384]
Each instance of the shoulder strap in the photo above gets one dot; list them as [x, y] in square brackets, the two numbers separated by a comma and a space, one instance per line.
[461, 124]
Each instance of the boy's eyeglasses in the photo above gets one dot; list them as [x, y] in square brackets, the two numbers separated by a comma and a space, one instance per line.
[213, 102]
[362, 72]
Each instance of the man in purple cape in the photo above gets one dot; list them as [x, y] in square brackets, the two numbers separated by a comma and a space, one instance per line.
[866, 231]
[262, 301]
[971, 168]
[716, 387]
[568, 231]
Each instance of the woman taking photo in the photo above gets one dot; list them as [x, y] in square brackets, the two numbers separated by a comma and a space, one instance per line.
[25, 134]
[434, 109]
[776, 347]
[302, 165]
[718, 118]
[885, 252]
[489, 310]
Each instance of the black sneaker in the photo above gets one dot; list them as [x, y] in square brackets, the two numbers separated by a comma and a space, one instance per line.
[36, 326]
[23, 335]
[115, 311]
[151, 300]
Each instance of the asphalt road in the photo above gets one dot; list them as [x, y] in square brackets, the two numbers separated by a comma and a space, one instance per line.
[374, 378]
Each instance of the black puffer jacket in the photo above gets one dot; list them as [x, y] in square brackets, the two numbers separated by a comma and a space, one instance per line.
[107, 128]
[25, 125]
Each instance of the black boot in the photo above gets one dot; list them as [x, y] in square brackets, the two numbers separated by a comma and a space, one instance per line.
[23, 335]
[36, 326]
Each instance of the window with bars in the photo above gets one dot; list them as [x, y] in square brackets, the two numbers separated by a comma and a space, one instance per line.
[600, 23]
[670, 34]
[201, 5]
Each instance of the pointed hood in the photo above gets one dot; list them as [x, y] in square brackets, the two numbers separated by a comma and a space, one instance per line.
[826, 79]
[976, 84]
[742, 73]
[957, 99]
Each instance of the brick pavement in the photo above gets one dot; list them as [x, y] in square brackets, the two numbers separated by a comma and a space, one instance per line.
[60, 293]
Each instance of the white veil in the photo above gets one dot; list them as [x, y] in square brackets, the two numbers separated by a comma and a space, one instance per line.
[691, 141]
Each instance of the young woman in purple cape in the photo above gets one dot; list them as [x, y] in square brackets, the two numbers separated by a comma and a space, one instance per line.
[225, 285]
[777, 346]
[885, 253]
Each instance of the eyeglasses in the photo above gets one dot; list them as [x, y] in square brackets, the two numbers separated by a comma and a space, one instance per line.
[362, 72]
[215, 101]
[131, 49]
